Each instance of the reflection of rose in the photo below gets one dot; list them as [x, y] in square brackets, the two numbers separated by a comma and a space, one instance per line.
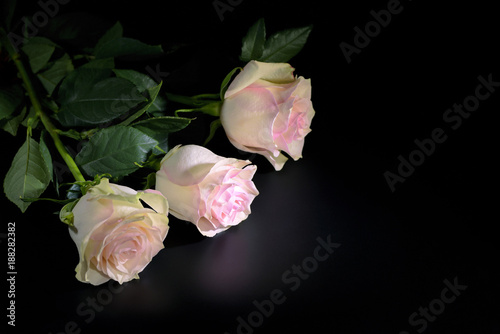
[212, 192]
[116, 236]
[267, 110]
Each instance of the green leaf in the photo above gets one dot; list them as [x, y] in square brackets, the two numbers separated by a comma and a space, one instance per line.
[80, 30]
[127, 47]
[146, 85]
[225, 82]
[114, 32]
[105, 63]
[39, 50]
[152, 94]
[160, 127]
[158, 106]
[80, 81]
[57, 71]
[101, 102]
[155, 102]
[45, 153]
[253, 42]
[285, 44]
[115, 150]
[10, 99]
[213, 128]
[75, 191]
[28, 176]
[140, 80]
[113, 44]
[11, 124]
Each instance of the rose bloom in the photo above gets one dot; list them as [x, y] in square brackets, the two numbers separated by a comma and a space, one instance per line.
[115, 234]
[267, 110]
[211, 191]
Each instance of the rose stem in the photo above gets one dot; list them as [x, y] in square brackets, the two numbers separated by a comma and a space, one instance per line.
[16, 57]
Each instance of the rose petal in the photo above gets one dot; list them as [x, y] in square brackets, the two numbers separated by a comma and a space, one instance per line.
[248, 119]
[155, 200]
[303, 88]
[207, 229]
[94, 277]
[182, 199]
[188, 164]
[255, 70]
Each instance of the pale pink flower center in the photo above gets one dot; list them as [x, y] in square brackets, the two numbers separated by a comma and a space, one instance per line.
[230, 201]
[127, 250]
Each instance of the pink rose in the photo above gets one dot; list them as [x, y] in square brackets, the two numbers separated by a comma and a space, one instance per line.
[267, 110]
[116, 236]
[211, 191]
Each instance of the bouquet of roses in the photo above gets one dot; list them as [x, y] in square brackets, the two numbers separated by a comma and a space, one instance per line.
[121, 119]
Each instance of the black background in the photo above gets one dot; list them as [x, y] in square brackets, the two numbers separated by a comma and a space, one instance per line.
[396, 248]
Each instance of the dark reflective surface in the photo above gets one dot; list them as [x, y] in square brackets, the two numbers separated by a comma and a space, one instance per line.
[392, 253]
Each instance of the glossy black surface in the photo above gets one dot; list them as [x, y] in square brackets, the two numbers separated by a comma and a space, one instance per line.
[394, 255]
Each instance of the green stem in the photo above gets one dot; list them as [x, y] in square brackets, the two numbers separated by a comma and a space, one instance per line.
[187, 100]
[212, 109]
[194, 101]
[207, 96]
[68, 159]
[15, 56]
[176, 113]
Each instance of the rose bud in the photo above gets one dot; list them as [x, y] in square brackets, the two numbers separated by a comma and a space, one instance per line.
[115, 234]
[267, 110]
[212, 192]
